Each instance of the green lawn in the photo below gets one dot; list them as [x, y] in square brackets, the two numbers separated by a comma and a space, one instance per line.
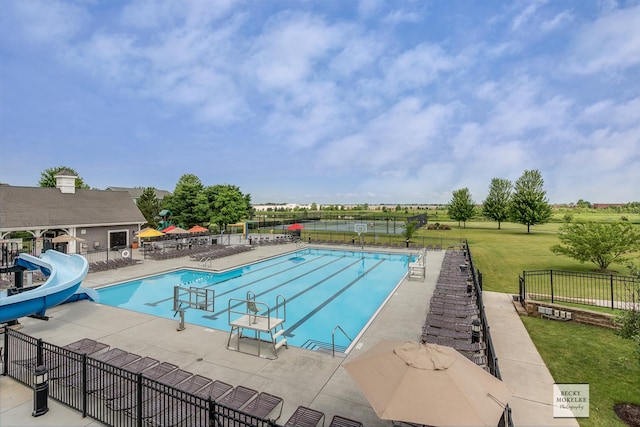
[586, 354]
[502, 255]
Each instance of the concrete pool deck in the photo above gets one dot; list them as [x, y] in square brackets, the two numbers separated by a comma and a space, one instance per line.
[300, 377]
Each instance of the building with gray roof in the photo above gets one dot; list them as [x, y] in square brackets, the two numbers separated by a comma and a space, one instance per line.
[102, 219]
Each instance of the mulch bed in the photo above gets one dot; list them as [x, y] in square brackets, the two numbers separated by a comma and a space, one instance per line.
[628, 413]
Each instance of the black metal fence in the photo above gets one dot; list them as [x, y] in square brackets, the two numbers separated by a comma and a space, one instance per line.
[593, 289]
[111, 395]
[373, 239]
[492, 357]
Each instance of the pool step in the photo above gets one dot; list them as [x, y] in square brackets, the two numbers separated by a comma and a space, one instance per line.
[323, 347]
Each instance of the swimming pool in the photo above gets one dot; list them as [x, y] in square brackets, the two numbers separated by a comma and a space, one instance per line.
[322, 288]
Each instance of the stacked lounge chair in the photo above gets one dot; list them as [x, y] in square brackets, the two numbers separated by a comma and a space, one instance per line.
[179, 413]
[126, 398]
[111, 387]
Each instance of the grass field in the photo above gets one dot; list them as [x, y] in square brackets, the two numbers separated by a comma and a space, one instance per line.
[586, 354]
[502, 255]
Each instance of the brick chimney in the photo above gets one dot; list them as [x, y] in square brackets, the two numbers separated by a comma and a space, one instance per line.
[66, 181]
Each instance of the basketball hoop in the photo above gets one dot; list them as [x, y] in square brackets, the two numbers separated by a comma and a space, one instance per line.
[360, 228]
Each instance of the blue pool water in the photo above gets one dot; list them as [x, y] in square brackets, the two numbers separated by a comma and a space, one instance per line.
[322, 288]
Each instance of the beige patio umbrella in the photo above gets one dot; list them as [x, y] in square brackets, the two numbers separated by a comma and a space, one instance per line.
[178, 230]
[428, 384]
[66, 238]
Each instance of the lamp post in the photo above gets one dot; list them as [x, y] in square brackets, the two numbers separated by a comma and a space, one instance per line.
[475, 331]
[40, 385]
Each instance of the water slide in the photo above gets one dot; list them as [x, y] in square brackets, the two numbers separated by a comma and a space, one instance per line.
[65, 272]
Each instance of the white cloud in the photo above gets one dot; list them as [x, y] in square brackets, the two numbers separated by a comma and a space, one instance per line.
[50, 21]
[421, 66]
[523, 105]
[557, 21]
[291, 45]
[611, 43]
[359, 53]
[526, 14]
[110, 57]
[367, 8]
[393, 143]
[402, 16]
[150, 14]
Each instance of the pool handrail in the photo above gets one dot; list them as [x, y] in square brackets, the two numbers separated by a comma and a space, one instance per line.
[333, 338]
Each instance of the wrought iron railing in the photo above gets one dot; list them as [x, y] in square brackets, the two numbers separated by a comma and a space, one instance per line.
[78, 380]
[492, 357]
[593, 289]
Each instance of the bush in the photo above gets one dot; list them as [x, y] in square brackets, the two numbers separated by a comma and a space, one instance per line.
[438, 226]
[629, 320]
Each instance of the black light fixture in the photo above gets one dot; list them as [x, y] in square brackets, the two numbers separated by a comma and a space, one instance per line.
[469, 286]
[475, 331]
[40, 385]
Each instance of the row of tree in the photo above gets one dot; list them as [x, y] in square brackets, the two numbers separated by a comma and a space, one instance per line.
[601, 243]
[525, 203]
[193, 203]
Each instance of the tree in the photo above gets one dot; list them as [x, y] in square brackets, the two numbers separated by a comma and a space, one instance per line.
[628, 321]
[529, 205]
[182, 203]
[47, 177]
[410, 229]
[149, 205]
[599, 242]
[228, 205]
[496, 205]
[461, 208]
[583, 204]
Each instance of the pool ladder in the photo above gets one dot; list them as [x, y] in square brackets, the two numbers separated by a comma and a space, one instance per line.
[205, 262]
[333, 339]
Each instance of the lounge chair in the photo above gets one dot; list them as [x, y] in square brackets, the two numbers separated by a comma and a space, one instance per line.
[263, 405]
[100, 379]
[74, 379]
[305, 417]
[238, 397]
[172, 414]
[339, 421]
[152, 399]
[54, 360]
[235, 399]
[114, 387]
[128, 399]
[177, 414]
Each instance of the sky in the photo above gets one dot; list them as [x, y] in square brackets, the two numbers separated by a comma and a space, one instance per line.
[325, 101]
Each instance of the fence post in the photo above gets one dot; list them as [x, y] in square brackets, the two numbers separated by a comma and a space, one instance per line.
[139, 401]
[551, 279]
[84, 385]
[611, 286]
[5, 354]
[213, 420]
